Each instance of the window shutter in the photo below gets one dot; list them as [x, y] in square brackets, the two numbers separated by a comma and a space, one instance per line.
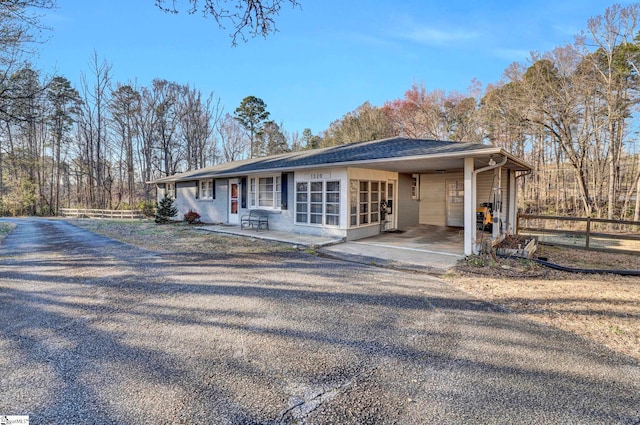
[284, 191]
[243, 192]
[213, 189]
[197, 189]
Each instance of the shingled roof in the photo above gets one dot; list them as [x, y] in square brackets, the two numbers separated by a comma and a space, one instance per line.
[354, 153]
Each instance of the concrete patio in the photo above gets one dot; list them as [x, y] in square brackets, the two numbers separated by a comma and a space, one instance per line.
[431, 249]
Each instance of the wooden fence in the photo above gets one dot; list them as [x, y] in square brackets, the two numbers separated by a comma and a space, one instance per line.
[94, 213]
[582, 232]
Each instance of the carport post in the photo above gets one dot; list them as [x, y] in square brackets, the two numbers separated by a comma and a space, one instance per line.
[469, 207]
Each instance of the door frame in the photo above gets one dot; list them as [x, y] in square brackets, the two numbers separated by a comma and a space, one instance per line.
[456, 220]
[392, 222]
[234, 218]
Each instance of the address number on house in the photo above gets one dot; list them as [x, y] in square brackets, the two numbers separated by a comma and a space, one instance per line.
[319, 176]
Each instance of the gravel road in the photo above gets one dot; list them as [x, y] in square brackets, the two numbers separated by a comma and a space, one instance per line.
[95, 331]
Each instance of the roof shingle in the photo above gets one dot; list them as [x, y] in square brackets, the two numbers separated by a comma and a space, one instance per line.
[397, 147]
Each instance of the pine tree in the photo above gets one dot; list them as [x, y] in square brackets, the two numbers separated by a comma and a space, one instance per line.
[165, 210]
[251, 114]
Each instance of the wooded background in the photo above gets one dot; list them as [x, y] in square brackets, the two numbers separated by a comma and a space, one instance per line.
[572, 113]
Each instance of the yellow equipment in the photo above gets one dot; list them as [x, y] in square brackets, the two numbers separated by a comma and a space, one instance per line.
[484, 216]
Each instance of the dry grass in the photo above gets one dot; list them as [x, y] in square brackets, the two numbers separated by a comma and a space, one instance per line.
[604, 308]
[176, 237]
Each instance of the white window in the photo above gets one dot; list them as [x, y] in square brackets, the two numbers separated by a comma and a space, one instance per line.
[170, 190]
[375, 202]
[415, 186]
[265, 192]
[332, 203]
[318, 202]
[364, 202]
[252, 193]
[353, 203]
[206, 189]
[366, 199]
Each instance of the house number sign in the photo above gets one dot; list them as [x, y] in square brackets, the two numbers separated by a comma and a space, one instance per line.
[319, 176]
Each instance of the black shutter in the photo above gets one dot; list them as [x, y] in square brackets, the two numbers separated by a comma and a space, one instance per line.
[213, 189]
[243, 192]
[197, 189]
[284, 191]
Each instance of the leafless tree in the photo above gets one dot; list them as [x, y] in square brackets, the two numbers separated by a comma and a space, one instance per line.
[256, 17]
[234, 141]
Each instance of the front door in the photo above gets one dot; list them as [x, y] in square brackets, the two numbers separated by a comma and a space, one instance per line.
[234, 205]
[455, 203]
[391, 206]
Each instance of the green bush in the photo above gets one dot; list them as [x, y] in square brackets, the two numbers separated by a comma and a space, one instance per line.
[165, 210]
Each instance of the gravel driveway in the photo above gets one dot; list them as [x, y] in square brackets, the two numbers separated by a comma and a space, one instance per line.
[95, 331]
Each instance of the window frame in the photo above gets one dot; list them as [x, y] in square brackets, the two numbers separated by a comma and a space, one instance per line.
[170, 190]
[202, 190]
[274, 195]
[311, 203]
[365, 197]
[415, 186]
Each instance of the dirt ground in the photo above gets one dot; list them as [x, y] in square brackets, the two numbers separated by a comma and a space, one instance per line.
[604, 308]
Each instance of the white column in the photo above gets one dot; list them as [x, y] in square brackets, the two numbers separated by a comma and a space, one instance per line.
[498, 213]
[469, 208]
[513, 203]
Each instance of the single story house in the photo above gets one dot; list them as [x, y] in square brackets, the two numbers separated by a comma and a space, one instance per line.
[339, 191]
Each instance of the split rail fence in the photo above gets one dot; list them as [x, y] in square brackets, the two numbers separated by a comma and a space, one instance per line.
[595, 234]
[95, 213]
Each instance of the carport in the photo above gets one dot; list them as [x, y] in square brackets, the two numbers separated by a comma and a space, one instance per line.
[446, 189]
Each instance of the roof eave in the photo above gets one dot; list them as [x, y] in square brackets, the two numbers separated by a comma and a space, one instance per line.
[488, 150]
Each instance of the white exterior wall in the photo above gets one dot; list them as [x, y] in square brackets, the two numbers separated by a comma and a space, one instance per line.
[185, 198]
[214, 210]
[320, 174]
[282, 220]
[286, 221]
[210, 210]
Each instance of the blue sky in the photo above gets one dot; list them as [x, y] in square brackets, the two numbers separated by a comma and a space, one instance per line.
[328, 57]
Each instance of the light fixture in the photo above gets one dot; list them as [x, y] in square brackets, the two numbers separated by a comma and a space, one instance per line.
[491, 162]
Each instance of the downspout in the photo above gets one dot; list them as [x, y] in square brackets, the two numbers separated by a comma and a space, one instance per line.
[474, 179]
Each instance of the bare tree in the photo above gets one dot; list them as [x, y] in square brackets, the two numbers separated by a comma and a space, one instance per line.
[366, 123]
[198, 118]
[257, 17]
[436, 115]
[125, 110]
[94, 152]
[234, 141]
[612, 62]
